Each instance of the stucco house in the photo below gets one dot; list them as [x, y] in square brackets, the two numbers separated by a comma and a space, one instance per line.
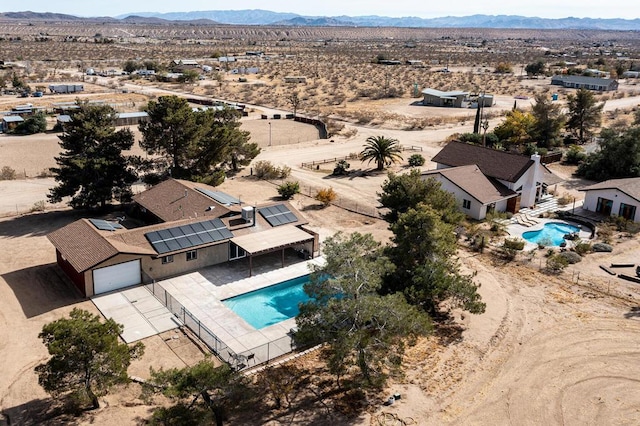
[500, 181]
[196, 226]
[584, 82]
[434, 97]
[615, 197]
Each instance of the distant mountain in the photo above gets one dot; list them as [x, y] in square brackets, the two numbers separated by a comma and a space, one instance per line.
[266, 17]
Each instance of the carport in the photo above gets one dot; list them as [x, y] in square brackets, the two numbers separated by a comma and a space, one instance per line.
[273, 240]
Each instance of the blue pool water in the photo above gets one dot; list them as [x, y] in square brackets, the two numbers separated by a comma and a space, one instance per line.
[270, 305]
[553, 232]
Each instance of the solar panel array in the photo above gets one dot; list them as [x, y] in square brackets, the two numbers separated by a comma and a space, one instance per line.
[220, 197]
[187, 236]
[104, 225]
[278, 215]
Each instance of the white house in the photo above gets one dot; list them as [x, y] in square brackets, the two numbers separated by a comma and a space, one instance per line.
[476, 194]
[517, 180]
[615, 197]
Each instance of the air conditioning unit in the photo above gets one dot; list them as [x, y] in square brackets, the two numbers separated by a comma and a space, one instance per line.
[247, 213]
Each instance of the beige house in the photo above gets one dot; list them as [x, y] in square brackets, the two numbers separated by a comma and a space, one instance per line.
[101, 256]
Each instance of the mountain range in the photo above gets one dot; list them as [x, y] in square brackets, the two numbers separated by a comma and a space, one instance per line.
[266, 17]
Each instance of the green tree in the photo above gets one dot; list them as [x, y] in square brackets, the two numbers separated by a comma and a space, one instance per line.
[360, 327]
[169, 133]
[535, 68]
[516, 128]
[548, 122]
[618, 156]
[86, 356]
[202, 393]
[382, 150]
[403, 192]
[36, 123]
[131, 66]
[426, 271]
[189, 76]
[585, 114]
[91, 169]
[288, 189]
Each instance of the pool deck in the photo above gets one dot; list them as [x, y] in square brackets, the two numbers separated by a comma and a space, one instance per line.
[202, 293]
[516, 230]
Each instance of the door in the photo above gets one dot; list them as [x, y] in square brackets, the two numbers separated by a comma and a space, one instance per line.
[116, 277]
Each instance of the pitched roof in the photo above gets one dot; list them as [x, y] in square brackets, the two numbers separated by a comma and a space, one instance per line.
[493, 163]
[84, 246]
[176, 199]
[438, 93]
[471, 180]
[629, 186]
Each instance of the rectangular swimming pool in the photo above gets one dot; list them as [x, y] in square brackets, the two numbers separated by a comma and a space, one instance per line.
[270, 305]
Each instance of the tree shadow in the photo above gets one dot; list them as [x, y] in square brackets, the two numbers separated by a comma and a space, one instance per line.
[37, 224]
[634, 312]
[40, 289]
[47, 411]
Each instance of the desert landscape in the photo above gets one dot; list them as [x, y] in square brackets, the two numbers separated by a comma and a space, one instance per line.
[550, 349]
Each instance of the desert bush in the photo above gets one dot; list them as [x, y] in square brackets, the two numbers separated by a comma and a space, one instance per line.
[582, 248]
[266, 170]
[511, 247]
[557, 263]
[545, 242]
[565, 199]
[326, 196]
[288, 189]
[45, 173]
[575, 155]
[602, 247]
[416, 160]
[341, 168]
[571, 257]
[38, 206]
[7, 173]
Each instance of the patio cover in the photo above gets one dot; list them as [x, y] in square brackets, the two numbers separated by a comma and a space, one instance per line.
[271, 240]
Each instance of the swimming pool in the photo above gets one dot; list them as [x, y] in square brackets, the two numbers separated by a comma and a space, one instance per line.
[552, 233]
[270, 305]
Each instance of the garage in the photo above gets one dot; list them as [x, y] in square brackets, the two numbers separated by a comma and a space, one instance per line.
[116, 277]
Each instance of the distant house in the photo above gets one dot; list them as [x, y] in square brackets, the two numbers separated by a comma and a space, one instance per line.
[205, 227]
[295, 79]
[615, 197]
[584, 82]
[511, 180]
[631, 74]
[131, 118]
[9, 122]
[433, 97]
[178, 65]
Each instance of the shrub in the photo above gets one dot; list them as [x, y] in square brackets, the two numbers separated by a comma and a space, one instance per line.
[38, 206]
[416, 160]
[571, 257]
[582, 248]
[266, 170]
[575, 155]
[602, 247]
[326, 196]
[557, 263]
[565, 199]
[545, 242]
[514, 243]
[341, 168]
[7, 173]
[288, 189]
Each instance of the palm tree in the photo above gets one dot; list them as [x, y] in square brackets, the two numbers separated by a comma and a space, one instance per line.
[382, 150]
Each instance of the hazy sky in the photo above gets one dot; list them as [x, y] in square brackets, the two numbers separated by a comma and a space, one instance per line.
[628, 9]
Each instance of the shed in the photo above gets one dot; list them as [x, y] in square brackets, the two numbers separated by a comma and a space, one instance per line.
[434, 97]
[9, 122]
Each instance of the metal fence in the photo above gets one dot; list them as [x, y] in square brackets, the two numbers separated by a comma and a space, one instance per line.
[258, 355]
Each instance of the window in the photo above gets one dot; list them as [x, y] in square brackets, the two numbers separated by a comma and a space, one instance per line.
[236, 252]
[167, 259]
[192, 255]
[627, 211]
[466, 204]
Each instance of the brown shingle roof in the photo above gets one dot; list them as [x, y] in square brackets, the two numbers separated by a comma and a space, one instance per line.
[471, 180]
[82, 245]
[493, 163]
[630, 186]
[176, 199]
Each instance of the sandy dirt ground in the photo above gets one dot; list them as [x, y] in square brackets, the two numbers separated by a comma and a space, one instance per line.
[548, 350]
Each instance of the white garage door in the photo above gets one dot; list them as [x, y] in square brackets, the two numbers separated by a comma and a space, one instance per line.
[116, 276]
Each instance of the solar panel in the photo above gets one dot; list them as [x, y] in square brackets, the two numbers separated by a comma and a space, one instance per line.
[104, 225]
[278, 215]
[187, 236]
[220, 197]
